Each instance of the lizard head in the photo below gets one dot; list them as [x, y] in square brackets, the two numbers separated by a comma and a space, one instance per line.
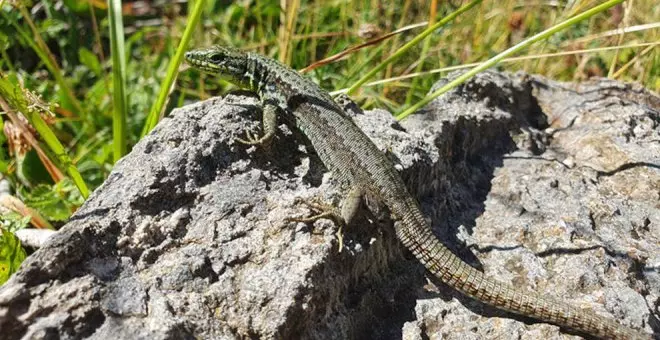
[230, 63]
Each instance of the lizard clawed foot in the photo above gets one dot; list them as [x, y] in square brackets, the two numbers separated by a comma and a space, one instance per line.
[254, 139]
[322, 210]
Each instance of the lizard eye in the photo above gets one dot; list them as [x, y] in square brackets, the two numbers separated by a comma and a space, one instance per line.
[216, 58]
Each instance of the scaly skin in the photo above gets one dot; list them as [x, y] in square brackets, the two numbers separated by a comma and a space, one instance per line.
[357, 162]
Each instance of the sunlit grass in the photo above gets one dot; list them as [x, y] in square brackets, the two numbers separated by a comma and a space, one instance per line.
[500, 56]
[158, 107]
[119, 95]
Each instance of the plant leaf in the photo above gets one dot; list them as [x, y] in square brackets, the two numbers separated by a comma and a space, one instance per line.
[90, 60]
[12, 254]
[54, 202]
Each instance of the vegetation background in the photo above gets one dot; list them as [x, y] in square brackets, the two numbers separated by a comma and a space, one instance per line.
[83, 81]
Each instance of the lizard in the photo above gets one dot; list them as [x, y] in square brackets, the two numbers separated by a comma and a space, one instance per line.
[357, 163]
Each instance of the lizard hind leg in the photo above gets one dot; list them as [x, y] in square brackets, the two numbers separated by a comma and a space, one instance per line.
[347, 105]
[350, 205]
[269, 122]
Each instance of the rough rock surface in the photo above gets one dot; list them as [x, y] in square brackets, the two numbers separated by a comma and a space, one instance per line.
[549, 186]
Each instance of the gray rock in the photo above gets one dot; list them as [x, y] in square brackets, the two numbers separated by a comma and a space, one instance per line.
[588, 233]
[32, 237]
[189, 237]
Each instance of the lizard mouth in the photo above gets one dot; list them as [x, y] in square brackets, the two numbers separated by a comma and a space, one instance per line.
[195, 59]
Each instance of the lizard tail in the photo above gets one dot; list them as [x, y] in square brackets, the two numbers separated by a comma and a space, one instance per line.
[449, 268]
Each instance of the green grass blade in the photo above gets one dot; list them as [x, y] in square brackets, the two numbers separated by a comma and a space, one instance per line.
[425, 51]
[173, 68]
[401, 51]
[57, 148]
[494, 60]
[14, 96]
[119, 99]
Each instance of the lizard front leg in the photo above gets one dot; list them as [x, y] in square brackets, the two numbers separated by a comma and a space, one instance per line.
[269, 123]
